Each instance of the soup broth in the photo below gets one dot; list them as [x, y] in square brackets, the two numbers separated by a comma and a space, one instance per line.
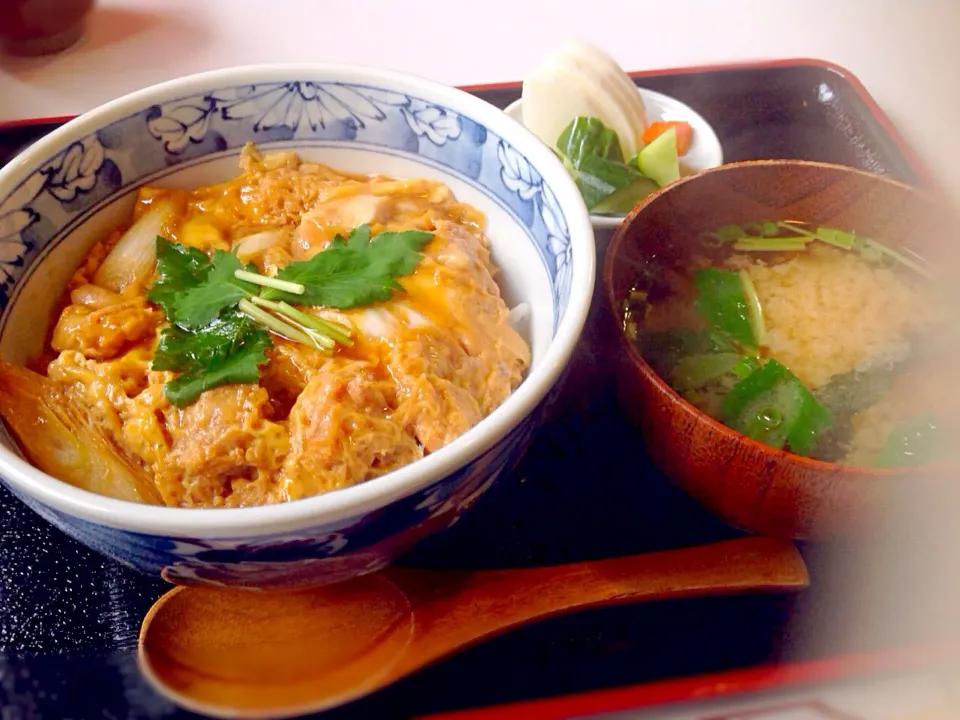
[808, 339]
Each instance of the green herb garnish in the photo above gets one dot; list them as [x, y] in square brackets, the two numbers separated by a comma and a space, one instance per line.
[764, 229]
[179, 268]
[227, 351]
[768, 244]
[357, 271]
[772, 406]
[722, 235]
[769, 237]
[664, 349]
[220, 312]
[754, 308]
[722, 303]
[746, 366]
[200, 305]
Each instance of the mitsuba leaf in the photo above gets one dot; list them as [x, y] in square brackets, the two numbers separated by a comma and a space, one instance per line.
[359, 270]
[211, 343]
[239, 367]
[227, 351]
[663, 350]
[179, 268]
[197, 306]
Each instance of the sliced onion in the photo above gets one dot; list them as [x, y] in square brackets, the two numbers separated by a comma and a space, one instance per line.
[255, 245]
[134, 258]
[94, 296]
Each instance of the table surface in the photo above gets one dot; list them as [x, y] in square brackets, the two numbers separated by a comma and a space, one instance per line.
[905, 53]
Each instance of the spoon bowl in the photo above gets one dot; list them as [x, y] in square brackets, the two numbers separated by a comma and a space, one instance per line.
[240, 654]
[275, 650]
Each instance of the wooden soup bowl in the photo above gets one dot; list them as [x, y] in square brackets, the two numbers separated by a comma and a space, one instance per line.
[750, 485]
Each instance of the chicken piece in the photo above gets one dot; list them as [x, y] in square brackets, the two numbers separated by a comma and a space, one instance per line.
[94, 297]
[347, 213]
[123, 396]
[275, 189]
[273, 259]
[144, 433]
[102, 387]
[225, 450]
[103, 329]
[436, 384]
[203, 455]
[447, 342]
[465, 249]
[335, 217]
[341, 431]
[287, 373]
[454, 289]
[268, 250]
[61, 438]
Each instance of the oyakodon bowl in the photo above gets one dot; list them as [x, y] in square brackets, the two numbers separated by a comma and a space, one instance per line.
[751, 485]
[71, 188]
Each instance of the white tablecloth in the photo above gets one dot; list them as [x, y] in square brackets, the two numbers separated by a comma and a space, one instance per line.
[906, 53]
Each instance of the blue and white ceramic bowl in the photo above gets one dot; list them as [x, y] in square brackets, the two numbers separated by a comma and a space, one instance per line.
[67, 190]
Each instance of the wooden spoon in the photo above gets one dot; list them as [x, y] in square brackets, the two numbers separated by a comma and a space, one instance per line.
[234, 653]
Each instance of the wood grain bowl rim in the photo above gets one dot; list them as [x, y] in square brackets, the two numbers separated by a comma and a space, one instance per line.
[641, 367]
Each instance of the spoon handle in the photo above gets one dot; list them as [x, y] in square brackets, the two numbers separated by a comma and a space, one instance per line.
[469, 606]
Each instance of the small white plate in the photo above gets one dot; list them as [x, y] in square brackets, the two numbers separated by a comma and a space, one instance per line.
[704, 152]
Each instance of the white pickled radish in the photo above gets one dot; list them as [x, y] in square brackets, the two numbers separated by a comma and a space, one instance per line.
[605, 96]
[134, 258]
[612, 77]
[580, 79]
[556, 92]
